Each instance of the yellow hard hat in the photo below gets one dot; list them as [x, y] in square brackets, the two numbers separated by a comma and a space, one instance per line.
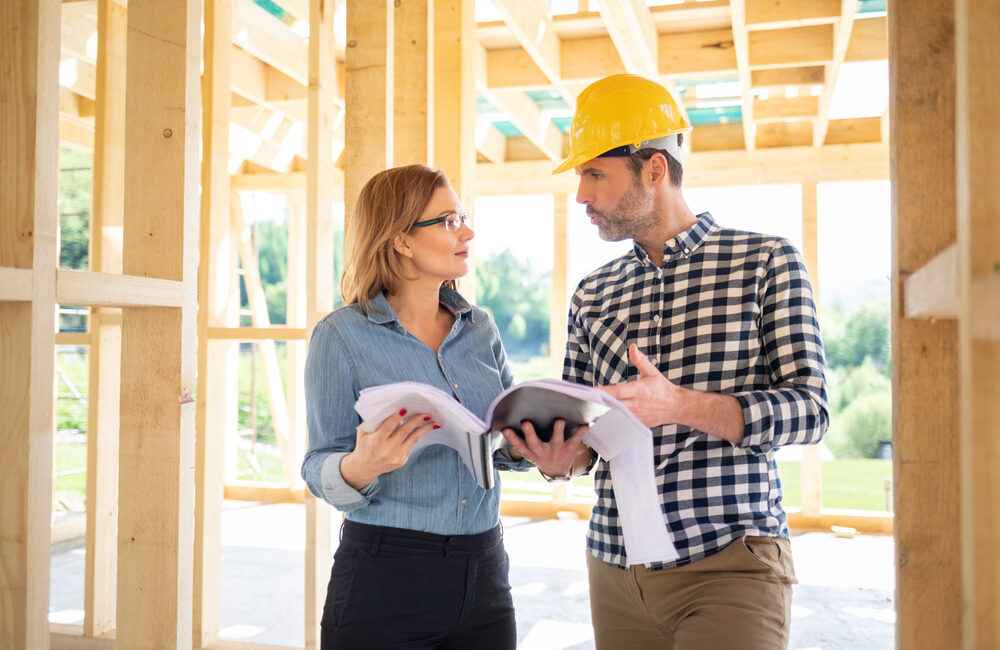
[621, 110]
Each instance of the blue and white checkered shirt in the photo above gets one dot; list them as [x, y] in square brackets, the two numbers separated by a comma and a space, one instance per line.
[726, 312]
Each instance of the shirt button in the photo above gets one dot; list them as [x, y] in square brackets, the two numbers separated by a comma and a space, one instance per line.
[686, 250]
[456, 385]
[656, 318]
[464, 501]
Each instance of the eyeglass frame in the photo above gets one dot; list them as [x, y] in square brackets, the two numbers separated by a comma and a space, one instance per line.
[463, 218]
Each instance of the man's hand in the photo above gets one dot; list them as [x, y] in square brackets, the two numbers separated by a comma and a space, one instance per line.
[652, 398]
[655, 401]
[555, 457]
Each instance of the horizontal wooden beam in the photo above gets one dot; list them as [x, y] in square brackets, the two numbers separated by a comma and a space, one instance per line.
[783, 108]
[791, 47]
[283, 182]
[70, 637]
[833, 163]
[771, 14]
[72, 338]
[869, 40]
[863, 521]
[96, 289]
[274, 333]
[263, 493]
[15, 284]
[932, 292]
[798, 76]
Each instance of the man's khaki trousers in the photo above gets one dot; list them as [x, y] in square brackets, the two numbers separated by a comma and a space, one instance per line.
[739, 597]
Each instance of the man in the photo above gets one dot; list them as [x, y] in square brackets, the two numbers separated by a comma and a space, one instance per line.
[709, 336]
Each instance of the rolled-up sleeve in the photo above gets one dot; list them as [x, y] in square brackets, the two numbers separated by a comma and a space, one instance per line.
[332, 421]
[793, 409]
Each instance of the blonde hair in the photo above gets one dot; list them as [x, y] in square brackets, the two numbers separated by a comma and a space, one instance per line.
[389, 204]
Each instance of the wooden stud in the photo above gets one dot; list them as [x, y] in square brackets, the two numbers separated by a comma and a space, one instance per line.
[319, 268]
[560, 281]
[812, 465]
[218, 305]
[104, 383]
[368, 88]
[977, 147]
[455, 101]
[413, 79]
[157, 437]
[29, 167]
[741, 46]
[843, 36]
[925, 371]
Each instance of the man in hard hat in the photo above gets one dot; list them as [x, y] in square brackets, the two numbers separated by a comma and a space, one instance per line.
[709, 336]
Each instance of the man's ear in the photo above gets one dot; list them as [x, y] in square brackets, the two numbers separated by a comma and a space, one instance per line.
[659, 172]
[401, 244]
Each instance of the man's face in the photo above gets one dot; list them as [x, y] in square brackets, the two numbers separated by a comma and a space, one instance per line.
[617, 203]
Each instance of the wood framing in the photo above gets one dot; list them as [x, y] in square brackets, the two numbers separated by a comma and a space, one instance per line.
[29, 172]
[811, 470]
[104, 380]
[413, 79]
[318, 277]
[560, 289]
[218, 305]
[924, 353]
[978, 244]
[368, 94]
[157, 438]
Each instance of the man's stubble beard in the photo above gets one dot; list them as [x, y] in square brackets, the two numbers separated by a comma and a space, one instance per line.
[632, 216]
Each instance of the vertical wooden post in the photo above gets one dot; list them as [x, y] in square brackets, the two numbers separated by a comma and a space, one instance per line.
[218, 302]
[319, 273]
[104, 383]
[295, 316]
[413, 81]
[560, 274]
[368, 90]
[454, 98]
[157, 455]
[29, 176]
[977, 171]
[812, 467]
[925, 373]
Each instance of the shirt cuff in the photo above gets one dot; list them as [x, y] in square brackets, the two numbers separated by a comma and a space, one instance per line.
[338, 493]
[503, 461]
[757, 418]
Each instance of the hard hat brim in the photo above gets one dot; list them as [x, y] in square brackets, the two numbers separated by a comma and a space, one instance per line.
[572, 162]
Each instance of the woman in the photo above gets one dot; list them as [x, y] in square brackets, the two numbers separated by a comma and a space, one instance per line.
[421, 560]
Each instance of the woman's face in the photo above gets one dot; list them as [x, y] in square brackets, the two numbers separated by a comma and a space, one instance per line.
[436, 251]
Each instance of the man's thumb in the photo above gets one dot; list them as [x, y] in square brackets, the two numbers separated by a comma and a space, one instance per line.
[642, 362]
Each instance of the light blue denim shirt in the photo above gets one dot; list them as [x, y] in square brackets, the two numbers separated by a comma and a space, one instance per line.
[433, 492]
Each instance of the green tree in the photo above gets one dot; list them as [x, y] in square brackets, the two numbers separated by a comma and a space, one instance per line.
[75, 180]
[863, 425]
[863, 334]
[518, 298]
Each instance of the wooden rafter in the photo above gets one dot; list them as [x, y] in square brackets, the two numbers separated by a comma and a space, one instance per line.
[742, 48]
[843, 37]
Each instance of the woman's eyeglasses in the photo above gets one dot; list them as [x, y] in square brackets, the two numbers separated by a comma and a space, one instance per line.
[452, 221]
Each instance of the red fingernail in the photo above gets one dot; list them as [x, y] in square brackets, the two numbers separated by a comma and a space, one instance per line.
[426, 418]
[436, 426]
[402, 411]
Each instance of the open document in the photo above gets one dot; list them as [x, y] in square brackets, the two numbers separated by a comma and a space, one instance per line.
[614, 433]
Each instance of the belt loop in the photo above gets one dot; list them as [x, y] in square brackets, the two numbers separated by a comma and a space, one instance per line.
[376, 541]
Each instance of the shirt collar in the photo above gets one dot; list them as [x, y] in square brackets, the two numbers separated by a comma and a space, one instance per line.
[379, 312]
[684, 243]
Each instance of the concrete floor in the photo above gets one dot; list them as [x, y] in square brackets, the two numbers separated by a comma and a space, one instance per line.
[844, 599]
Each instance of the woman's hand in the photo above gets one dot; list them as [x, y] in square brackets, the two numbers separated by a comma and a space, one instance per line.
[385, 449]
[555, 457]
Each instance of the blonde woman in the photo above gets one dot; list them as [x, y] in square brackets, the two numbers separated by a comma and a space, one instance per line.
[421, 561]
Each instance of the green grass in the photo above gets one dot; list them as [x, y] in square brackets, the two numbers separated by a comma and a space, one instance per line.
[853, 484]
